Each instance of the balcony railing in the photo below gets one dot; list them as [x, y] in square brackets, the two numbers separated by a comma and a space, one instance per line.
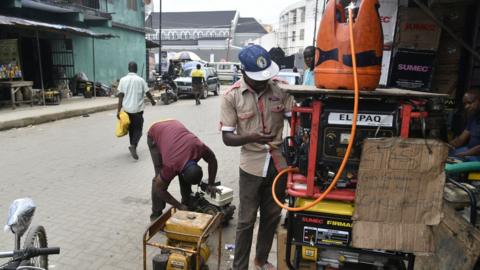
[98, 5]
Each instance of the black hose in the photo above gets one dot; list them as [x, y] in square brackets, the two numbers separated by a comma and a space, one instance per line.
[471, 196]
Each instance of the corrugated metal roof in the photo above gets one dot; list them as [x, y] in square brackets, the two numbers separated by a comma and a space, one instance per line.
[249, 25]
[197, 19]
[14, 21]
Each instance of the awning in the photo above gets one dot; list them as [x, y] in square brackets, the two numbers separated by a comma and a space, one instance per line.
[14, 21]
[151, 44]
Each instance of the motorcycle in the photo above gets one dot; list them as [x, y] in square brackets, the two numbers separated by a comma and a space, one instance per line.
[167, 84]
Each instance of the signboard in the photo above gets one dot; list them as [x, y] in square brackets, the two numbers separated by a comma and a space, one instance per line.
[413, 69]
[376, 120]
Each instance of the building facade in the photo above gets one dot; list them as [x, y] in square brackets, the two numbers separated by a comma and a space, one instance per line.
[96, 37]
[296, 28]
[212, 35]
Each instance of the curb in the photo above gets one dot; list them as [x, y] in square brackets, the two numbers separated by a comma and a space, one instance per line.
[23, 122]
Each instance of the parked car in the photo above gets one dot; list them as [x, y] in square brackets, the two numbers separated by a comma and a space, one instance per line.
[184, 82]
[293, 78]
[225, 70]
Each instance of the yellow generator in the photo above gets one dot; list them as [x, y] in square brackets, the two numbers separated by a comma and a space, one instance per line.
[186, 235]
[323, 235]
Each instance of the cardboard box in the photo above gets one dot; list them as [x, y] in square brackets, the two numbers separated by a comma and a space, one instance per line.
[386, 59]
[388, 15]
[445, 79]
[416, 30]
[454, 16]
[457, 244]
[399, 194]
[442, 2]
[412, 69]
[449, 52]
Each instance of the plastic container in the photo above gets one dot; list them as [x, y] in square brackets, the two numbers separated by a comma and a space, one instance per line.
[333, 59]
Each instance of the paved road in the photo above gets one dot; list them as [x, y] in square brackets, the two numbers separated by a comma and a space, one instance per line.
[93, 199]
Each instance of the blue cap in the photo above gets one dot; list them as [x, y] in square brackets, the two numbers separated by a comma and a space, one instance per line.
[257, 63]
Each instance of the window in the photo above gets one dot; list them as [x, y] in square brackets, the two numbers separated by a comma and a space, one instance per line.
[302, 15]
[302, 34]
[182, 36]
[293, 35]
[187, 35]
[175, 36]
[294, 19]
[132, 4]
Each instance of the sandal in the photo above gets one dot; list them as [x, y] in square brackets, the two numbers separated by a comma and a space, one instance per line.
[266, 266]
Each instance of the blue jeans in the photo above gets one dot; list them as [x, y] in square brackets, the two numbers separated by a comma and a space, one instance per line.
[459, 150]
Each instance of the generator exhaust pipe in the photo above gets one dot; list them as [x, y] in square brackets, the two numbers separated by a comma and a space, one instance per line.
[351, 140]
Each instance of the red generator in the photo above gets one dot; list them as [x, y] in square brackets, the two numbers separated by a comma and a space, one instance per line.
[320, 132]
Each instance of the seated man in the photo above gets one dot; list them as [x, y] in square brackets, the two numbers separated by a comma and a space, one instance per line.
[467, 145]
[176, 151]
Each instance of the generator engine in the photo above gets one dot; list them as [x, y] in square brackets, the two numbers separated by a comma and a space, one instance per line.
[182, 250]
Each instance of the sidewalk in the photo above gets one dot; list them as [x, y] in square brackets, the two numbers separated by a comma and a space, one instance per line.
[25, 115]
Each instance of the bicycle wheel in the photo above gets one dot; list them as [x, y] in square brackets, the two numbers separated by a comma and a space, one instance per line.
[37, 237]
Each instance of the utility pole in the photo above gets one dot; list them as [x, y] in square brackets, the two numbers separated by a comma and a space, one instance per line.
[315, 28]
[160, 38]
[228, 40]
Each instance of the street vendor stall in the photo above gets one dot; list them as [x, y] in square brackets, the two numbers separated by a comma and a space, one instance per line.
[22, 87]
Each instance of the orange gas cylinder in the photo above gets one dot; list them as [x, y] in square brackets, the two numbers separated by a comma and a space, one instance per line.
[333, 58]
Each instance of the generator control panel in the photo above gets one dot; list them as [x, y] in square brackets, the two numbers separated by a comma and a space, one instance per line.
[322, 229]
[375, 119]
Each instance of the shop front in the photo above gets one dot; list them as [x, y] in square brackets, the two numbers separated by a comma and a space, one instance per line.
[39, 56]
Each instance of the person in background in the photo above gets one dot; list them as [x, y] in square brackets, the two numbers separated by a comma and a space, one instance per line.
[252, 116]
[309, 58]
[132, 91]
[198, 82]
[171, 69]
[236, 69]
[176, 151]
[467, 145]
[295, 69]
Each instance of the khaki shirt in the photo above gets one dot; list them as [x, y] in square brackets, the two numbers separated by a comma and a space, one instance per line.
[245, 111]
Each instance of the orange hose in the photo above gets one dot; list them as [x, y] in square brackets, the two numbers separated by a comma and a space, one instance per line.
[350, 141]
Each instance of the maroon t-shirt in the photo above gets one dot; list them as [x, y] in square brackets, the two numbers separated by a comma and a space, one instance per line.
[177, 145]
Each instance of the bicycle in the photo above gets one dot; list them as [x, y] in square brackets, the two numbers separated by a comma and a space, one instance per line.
[35, 250]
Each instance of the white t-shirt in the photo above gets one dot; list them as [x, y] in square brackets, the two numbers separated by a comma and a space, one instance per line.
[134, 88]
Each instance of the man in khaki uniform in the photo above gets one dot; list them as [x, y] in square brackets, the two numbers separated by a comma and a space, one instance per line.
[252, 116]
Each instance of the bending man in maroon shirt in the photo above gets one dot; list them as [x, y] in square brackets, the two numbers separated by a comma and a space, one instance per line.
[176, 151]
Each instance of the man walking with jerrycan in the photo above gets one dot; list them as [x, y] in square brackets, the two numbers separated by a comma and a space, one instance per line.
[132, 91]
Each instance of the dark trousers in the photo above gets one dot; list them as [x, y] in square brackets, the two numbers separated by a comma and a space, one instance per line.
[256, 192]
[135, 128]
[197, 90]
[185, 188]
